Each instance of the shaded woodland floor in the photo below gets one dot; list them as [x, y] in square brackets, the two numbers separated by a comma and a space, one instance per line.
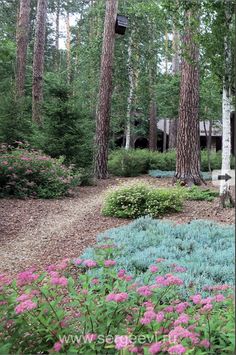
[40, 232]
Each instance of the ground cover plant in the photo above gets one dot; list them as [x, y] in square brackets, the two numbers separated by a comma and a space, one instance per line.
[30, 173]
[170, 174]
[203, 249]
[141, 200]
[68, 310]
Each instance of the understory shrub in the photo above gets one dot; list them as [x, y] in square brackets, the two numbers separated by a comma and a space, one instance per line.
[31, 173]
[199, 194]
[204, 249]
[141, 200]
[135, 162]
[68, 310]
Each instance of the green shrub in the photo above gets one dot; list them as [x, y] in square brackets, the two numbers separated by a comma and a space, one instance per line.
[141, 200]
[135, 162]
[197, 194]
[128, 163]
[30, 173]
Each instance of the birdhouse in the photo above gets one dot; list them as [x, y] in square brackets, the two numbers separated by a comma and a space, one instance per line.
[121, 24]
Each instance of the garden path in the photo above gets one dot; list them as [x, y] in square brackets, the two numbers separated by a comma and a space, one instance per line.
[40, 232]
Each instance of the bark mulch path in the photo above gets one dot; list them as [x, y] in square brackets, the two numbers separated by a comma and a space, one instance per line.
[40, 232]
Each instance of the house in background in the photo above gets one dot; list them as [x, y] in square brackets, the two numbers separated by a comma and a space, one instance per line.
[216, 135]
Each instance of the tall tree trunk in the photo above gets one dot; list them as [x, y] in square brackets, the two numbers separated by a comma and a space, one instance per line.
[188, 136]
[38, 61]
[130, 96]
[153, 126]
[105, 91]
[68, 50]
[225, 195]
[173, 124]
[57, 35]
[21, 46]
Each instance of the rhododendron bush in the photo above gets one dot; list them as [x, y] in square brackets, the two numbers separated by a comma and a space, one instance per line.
[66, 309]
[31, 173]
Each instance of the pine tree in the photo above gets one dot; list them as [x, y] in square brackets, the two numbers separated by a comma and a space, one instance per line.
[105, 91]
[38, 61]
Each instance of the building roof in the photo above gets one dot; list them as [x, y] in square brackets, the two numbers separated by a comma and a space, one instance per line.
[216, 129]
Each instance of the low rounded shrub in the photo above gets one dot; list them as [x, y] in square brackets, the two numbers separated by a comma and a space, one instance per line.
[31, 173]
[142, 200]
[68, 310]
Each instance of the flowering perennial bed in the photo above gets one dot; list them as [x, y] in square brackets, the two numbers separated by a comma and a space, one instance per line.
[68, 310]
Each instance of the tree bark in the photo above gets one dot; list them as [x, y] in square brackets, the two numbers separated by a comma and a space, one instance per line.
[208, 143]
[173, 124]
[188, 136]
[57, 35]
[105, 91]
[153, 126]
[38, 61]
[68, 50]
[130, 96]
[21, 46]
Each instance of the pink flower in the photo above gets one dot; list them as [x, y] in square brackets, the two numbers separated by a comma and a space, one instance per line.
[90, 263]
[121, 273]
[117, 297]
[159, 260]
[128, 278]
[59, 281]
[177, 349]
[207, 308]
[95, 281]
[24, 306]
[5, 162]
[144, 291]
[179, 269]
[196, 299]
[89, 337]
[219, 298]
[145, 321]
[168, 280]
[150, 314]
[207, 300]
[180, 308]
[168, 309]
[78, 261]
[108, 263]
[58, 346]
[26, 277]
[205, 343]
[155, 348]
[182, 319]
[24, 297]
[153, 268]
[4, 280]
[160, 317]
[122, 341]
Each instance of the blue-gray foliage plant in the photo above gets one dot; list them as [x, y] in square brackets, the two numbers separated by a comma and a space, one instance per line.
[204, 248]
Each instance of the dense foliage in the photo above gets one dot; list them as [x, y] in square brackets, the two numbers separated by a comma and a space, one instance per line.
[141, 200]
[139, 161]
[204, 249]
[34, 174]
[68, 310]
